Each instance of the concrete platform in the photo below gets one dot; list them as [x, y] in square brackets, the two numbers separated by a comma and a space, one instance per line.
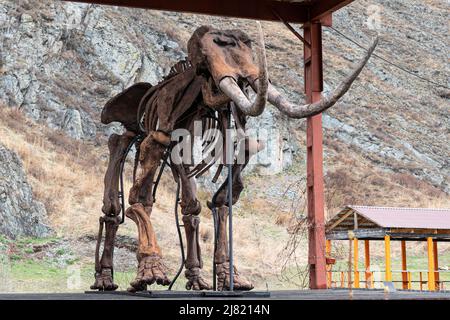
[332, 294]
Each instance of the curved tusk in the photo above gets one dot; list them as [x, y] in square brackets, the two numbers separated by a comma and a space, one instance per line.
[308, 110]
[229, 86]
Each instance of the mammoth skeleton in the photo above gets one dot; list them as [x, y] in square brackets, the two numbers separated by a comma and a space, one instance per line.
[212, 83]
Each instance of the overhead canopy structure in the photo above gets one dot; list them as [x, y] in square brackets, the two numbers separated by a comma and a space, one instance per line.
[373, 223]
[298, 11]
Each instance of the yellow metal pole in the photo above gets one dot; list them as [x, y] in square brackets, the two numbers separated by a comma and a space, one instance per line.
[349, 270]
[421, 280]
[431, 282]
[404, 266]
[328, 247]
[367, 263]
[436, 264]
[355, 261]
[409, 280]
[328, 254]
[387, 256]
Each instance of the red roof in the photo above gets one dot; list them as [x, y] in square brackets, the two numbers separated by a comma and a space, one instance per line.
[417, 218]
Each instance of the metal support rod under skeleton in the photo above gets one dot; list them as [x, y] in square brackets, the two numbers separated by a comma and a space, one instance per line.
[230, 157]
[180, 237]
[135, 142]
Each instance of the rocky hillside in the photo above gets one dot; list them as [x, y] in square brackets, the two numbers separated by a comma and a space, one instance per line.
[20, 214]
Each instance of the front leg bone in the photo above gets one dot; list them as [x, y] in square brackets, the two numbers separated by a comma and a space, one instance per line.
[190, 209]
[222, 260]
[249, 148]
[151, 268]
[193, 262]
[152, 150]
[191, 225]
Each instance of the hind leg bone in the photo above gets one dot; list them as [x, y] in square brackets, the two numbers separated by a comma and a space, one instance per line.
[222, 259]
[117, 145]
[190, 209]
[221, 256]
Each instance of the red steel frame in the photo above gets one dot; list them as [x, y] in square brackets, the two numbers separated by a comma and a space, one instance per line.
[298, 12]
[315, 193]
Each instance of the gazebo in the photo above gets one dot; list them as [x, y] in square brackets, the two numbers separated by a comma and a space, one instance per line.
[356, 223]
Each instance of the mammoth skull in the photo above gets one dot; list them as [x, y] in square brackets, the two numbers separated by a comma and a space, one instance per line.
[225, 58]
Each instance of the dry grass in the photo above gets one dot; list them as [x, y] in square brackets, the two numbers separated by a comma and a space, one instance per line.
[65, 174]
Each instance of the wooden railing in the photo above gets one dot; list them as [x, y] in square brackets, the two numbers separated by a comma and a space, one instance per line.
[344, 279]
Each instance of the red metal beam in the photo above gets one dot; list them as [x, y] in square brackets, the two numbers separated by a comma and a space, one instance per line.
[322, 8]
[297, 12]
[314, 161]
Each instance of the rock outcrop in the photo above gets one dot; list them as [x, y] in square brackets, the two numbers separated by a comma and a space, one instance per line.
[60, 62]
[20, 213]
